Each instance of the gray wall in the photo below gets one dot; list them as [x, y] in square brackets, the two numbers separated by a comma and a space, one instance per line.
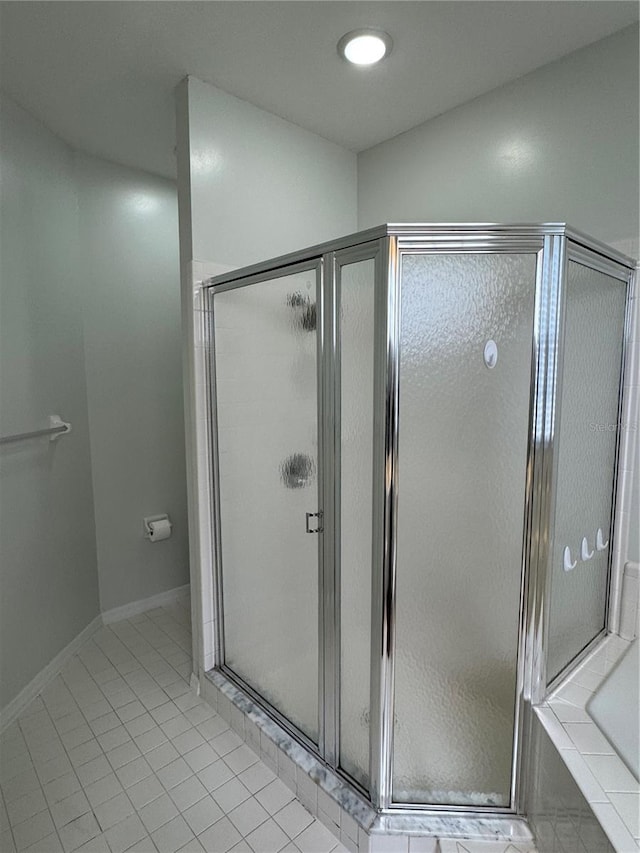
[251, 186]
[47, 535]
[131, 305]
[261, 186]
[560, 144]
[90, 330]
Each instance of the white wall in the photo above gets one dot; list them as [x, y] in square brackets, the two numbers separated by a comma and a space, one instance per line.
[560, 144]
[131, 305]
[47, 536]
[251, 186]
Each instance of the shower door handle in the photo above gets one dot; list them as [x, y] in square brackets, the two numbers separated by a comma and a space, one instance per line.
[309, 516]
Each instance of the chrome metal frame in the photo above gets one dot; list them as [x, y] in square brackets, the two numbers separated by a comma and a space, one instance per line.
[554, 244]
[384, 507]
[231, 283]
[493, 244]
[591, 258]
[216, 521]
[343, 257]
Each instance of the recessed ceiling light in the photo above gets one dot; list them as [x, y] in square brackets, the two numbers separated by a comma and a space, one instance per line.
[365, 46]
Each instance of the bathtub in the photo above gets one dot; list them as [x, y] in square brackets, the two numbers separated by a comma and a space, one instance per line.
[615, 708]
[590, 761]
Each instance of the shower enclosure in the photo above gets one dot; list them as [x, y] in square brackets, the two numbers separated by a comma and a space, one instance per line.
[414, 434]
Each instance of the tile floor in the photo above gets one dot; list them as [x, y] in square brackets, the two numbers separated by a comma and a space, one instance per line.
[117, 754]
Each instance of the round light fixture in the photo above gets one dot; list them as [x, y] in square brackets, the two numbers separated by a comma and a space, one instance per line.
[365, 46]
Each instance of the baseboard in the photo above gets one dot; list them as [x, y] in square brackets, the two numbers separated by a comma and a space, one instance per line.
[17, 705]
[126, 611]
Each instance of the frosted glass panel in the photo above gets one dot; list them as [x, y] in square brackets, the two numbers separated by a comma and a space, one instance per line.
[593, 338]
[265, 356]
[462, 460]
[356, 452]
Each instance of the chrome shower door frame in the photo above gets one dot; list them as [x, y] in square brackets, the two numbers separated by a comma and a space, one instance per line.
[327, 259]
[447, 239]
[582, 250]
[374, 250]
[553, 244]
[232, 282]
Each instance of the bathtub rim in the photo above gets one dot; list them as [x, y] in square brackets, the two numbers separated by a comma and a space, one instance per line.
[569, 699]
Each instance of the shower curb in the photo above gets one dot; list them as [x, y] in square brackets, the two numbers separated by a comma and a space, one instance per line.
[346, 815]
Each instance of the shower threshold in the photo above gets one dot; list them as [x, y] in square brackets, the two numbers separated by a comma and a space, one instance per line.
[335, 803]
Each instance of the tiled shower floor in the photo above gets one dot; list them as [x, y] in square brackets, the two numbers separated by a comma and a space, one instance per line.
[118, 754]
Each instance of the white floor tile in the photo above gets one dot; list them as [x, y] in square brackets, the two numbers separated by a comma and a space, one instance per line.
[188, 740]
[164, 713]
[293, 818]
[212, 727]
[54, 769]
[199, 713]
[202, 815]
[26, 806]
[247, 816]
[70, 808]
[131, 711]
[220, 837]
[140, 725]
[20, 784]
[133, 772]
[226, 742]
[267, 838]
[172, 774]
[187, 793]
[176, 725]
[124, 835]
[145, 792]
[161, 756]
[6, 841]
[275, 796]
[84, 753]
[158, 812]
[50, 844]
[113, 811]
[172, 836]
[150, 739]
[317, 839]
[95, 845]
[241, 758]
[104, 789]
[215, 774]
[256, 777]
[201, 757]
[193, 846]
[93, 770]
[113, 738]
[78, 832]
[120, 755]
[29, 831]
[231, 794]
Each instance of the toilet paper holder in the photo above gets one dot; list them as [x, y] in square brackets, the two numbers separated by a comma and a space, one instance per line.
[151, 524]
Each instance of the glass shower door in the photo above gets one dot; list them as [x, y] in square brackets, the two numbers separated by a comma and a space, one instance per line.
[465, 364]
[266, 389]
[588, 435]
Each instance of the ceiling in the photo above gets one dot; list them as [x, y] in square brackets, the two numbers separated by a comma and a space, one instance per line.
[101, 74]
